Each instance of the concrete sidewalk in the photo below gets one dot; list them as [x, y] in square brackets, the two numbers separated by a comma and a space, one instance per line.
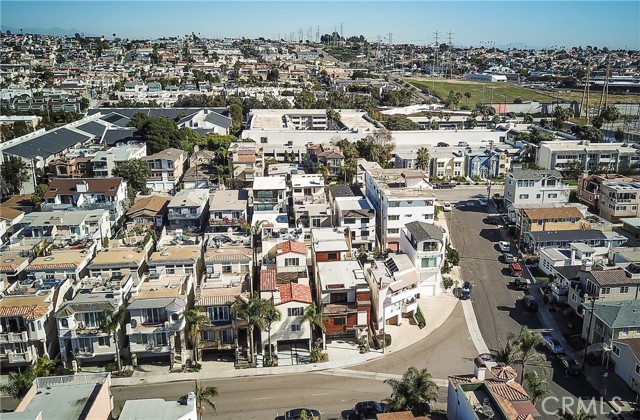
[342, 354]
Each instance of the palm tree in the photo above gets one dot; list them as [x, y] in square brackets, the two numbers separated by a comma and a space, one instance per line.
[111, 325]
[422, 159]
[507, 354]
[203, 396]
[251, 309]
[538, 388]
[526, 342]
[415, 387]
[468, 96]
[315, 320]
[18, 384]
[254, 231]
[196, 318]
[271, 314]
[322, 169]
[578, 415]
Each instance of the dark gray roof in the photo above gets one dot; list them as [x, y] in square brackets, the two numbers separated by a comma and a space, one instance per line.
[120, 135]
[219, 120]
[173, 113]
[48, 144]
[569, 272]
[148, 303]
[116, 119]
[619, 314]
[346, 191]
[422, 231]
[568, 235]
[93, 127]
[186, 118]
[535, 174]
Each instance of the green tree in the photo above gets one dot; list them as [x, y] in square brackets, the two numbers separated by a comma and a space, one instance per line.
[401, 123]
[273, 75]
[204, 396]
[138, 120]
[468, 96]
[20, 382]
[573, 170]
[506, 354]
[305, 99]
[251, 309]
[587, 132]
[195, 319]
[619, 134]
[538, 388]
[526, 341]
[537, 136]
[160, 133]
[423, 159]
[470, 123]
[333, 118]
[315, 319]
[14, 173]
[271, 314]
[110, 324]
[414, 388]
[560, 115]
[235, 111]
[135, 172]
[578, 415]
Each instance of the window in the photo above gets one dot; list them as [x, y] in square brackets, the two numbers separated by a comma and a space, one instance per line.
[64, 323]
[218, 313]
[393, 231]
[299, 311]
[605, 290]
[552, 195]
[104, 342]
[537, 195]
[91, 319]
[153, 316]
[316, 222]
[394, 204]
[429, 262]
[340, 320]
[338, 298]
[295, 327]
[289, 262]
[428, 216]
[638, 369]
[393, 217]
[349, 221]
[84, 345]
[333, 256]
[625, 331]
[226, 268]
[39, 325]
[624, 289]
[616, 350]
[33, 326]
[523, 196]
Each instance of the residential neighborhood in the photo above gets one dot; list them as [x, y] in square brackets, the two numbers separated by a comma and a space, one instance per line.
[309, 227]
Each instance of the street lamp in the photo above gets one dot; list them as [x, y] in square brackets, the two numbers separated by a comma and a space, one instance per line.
[586, 346]
[168, 333]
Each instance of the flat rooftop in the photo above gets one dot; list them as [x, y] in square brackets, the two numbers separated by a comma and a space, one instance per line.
[263, 183]
[274, 119]
[156, 409]
[340, 273]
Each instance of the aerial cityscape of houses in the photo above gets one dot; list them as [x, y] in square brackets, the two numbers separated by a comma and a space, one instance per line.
[186, 208]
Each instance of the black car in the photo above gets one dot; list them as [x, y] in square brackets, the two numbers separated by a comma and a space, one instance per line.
[571, 367]
[530, 303]
[368, 409]
[442, 144]
[465, 293]
[296, 414]
[444, 185]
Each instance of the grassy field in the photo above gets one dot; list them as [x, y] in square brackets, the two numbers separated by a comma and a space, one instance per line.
[502, 91]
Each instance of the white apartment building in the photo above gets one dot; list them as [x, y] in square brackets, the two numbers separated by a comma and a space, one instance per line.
[425, 246]
[167, 168]
[559, 154]
[307, 188]
[357, 214]
[399, 196]
[533, 187]
[269, 196]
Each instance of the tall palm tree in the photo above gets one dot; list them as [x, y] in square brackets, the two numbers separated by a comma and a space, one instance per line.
[506, 354]
[195, 318]
[254, 231]
[315, 320]
[271, 314]
[526, 342]
[415, 387]
[111, 325]
[251, 309]
[468, 96]
[538, 388]
[422, 159]
[203, 396]
[578, 415]
[18, 384]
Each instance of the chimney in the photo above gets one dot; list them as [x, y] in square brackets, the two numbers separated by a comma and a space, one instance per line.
[479, 368]
[587, 263]
[573, 256]
[191, 399]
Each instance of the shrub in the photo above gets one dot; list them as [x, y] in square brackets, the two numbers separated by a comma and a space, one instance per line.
[446, 268]
[420, 318]
[386, 338]
[447, 282]
[318, 356]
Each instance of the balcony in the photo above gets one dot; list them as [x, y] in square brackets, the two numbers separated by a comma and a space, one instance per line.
[339, 308]
[14, 337]
[19, 357]
[226, 221]
[178, 216]
[216, 345]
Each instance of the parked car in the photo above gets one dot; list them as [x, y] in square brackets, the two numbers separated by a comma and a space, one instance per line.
[504, 246]
[482, 201]
[465, 293]
[442, 144]
[296, 414]
[521, 283]
[553, 345]
[446, 206]
[368, 409]
[571, 367]
[444, 185]
[530, 303]
[508, 258]
[515, 269]
[493, 220]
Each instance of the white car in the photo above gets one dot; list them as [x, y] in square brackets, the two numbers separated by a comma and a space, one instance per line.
[446, 206]
[504, 246]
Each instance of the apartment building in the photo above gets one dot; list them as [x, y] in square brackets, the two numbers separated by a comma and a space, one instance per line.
[425, 247]
[358, 216]
[307, 189]
[62, 264]
[560, 154]
[148, 212]
[625, 353]
[12, 267]
[269, 196]
[87, 194]
[175, 260]
[246, 160]
[394, 285]
[189, 209]
[399, 196]
[27, 326]
[550, 219]
[485, 163]
[105, 161]
[119, 264]
[618, 284]
[523, 187]
[167, 168]
[612, 320]
[327, 155]
[612, 198]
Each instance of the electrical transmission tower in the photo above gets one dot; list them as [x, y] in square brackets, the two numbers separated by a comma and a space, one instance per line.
[450, 55]
[435, 59]
[317, 34]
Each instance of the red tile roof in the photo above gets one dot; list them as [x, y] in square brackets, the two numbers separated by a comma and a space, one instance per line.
[25, 311]
[106, 186]
[295, 292]
[292, 246]
[267, 280]
[511, 391]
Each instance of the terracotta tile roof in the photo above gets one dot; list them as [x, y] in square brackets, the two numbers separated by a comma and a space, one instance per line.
[512, 391]
[106, 186]
[553, 213]
[148, 206]
[25, 311]
[292, 246]
[295, 292]
[267, 280]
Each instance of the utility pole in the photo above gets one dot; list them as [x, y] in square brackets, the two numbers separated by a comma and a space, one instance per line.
[317, 34]
[450, 55]
[605, 87]
[586, 346]
[585, 92]
[341, 31]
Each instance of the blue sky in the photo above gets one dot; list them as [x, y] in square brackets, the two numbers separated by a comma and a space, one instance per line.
[501, 23]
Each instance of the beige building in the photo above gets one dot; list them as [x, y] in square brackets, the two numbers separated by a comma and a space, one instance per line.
[612, 196]
[167, 167]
